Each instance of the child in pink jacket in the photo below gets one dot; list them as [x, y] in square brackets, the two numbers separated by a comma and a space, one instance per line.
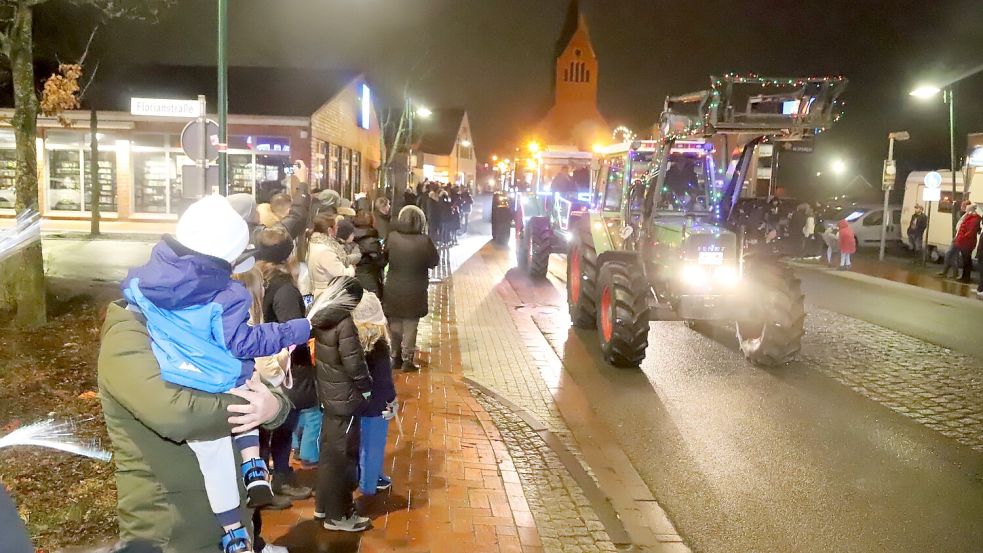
[848, 244]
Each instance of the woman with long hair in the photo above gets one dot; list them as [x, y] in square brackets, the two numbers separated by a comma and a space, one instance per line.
[411, 254]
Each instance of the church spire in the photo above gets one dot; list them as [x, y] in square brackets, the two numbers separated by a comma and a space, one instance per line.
[574, 20]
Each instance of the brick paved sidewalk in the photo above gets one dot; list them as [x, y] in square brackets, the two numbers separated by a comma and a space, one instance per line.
[455, 486]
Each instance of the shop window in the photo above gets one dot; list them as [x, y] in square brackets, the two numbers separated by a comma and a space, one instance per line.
[242, 177]
[346, 173]
[152, 176]
[106, 175]
[8, 170]
[271, 168]
[334, 166]
[356, 172]
[319, 165]
[68, 176]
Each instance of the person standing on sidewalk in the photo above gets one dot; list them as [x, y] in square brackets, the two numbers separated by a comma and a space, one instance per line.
[965, 240]
[380, 216]
[952, 256]
[345, 387]
[372, 263]
[848, 245]
[411, 254]
[916, 229]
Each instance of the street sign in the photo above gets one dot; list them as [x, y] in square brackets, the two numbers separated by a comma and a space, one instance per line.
[931, 194]
[889, 174]
[162, 107]
[191, 140]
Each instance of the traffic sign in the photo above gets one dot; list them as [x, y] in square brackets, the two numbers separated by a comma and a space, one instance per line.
[191, 140]
[889, 174]
[194, 184]
[162, 107]
[933, 180]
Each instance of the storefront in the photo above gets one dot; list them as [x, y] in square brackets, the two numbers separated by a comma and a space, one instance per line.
[140, 161]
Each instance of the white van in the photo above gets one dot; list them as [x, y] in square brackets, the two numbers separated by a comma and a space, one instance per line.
[866, 221]
[939, 235]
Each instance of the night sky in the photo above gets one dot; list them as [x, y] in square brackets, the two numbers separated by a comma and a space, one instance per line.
[494, 57]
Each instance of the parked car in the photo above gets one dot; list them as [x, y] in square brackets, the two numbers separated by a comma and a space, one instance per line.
[866, 221]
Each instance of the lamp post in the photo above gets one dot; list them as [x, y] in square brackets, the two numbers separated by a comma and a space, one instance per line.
[929, 91]
[223, 97]
[887, 182]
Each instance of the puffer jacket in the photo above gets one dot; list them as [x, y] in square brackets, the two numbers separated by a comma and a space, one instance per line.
[326, 259]
[411, 256]
[160, 490]
[342, 374]
[369, 269]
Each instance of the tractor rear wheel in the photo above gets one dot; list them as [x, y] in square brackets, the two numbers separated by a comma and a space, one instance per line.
[772, 333]
[538, 245]
[582, 284]
[622, 314]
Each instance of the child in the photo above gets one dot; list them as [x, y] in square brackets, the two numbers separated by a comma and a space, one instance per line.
[197, 317]
[373, 334]
[848, 245]
[832, 243]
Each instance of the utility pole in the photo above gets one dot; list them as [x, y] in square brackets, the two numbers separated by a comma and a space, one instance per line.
[887, 183]
[223, 96]
[952, 154]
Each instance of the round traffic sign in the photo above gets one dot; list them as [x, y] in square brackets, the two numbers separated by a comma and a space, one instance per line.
[191, 140]
[933, 180]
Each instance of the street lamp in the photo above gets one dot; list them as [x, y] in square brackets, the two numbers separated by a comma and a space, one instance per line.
[424, 111]
[838, 166]
[411, 112]
[929, 91]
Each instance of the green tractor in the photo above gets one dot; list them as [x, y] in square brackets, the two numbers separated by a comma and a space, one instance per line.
[662, 239]
[554, 185]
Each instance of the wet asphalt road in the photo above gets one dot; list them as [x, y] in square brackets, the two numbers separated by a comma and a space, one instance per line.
[746, 459]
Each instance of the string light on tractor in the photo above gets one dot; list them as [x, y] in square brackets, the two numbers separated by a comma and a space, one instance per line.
[625, 134]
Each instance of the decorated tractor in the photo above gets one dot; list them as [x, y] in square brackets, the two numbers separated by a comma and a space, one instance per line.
[554, 184]
[661, 239]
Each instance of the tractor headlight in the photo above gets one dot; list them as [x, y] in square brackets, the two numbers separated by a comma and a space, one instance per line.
[726, 275]
[694, 275]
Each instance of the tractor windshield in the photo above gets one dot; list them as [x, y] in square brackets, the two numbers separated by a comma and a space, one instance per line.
[568, 177]
[687, 183]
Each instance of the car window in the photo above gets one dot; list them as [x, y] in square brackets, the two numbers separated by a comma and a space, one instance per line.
[876, 218]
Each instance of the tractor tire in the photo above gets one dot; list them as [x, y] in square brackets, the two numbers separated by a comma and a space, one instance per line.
[538, 245]
[582, 284]
[522, 248]
[772, 335]
[622, 314]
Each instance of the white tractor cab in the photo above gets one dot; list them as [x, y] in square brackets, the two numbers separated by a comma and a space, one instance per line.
[866, 221]
[548, 187]
[939, 236]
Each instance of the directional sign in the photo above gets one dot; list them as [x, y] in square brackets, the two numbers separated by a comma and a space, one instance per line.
[191, 140]
[161, 107]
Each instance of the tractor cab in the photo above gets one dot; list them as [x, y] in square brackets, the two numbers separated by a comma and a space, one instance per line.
[554, 184]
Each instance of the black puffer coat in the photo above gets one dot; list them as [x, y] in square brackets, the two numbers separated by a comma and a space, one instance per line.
[411, 256]
[369, 269]
[342, 375]
[282, 302]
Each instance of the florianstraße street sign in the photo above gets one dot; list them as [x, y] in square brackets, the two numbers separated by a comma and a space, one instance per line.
[164, 107]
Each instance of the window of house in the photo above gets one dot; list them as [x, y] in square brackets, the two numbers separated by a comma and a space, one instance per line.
[346, 173]
[356, 173]
[8, 170]
[68, 177]
[319, 165]
[334, 166]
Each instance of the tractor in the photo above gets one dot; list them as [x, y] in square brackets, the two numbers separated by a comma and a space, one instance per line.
[663, 238]
[554, 185]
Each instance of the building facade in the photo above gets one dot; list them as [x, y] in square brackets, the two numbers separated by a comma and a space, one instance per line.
[445, 149]
[140, 160]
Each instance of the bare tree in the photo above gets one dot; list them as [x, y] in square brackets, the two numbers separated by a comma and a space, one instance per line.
[24, 273]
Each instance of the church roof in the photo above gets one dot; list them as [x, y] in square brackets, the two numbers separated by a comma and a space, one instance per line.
[570, 26]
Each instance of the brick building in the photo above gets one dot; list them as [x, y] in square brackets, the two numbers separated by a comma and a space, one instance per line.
[325, 119]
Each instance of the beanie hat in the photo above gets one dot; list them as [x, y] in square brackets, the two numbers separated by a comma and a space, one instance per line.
[245, 206]
[275, 253]
[343, 229]
[211, 227]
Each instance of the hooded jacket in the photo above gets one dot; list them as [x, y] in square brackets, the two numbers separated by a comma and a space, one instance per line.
[160, 489]
[198, 317]
[848, 241]
[342, 374]
[969, 227]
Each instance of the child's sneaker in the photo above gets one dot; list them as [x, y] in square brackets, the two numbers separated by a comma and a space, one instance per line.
[236, 541]
[351, 523]
[259, 493]
[383, 484]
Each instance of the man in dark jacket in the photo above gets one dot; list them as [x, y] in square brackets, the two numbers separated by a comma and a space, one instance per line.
[916, 228]
[344, 387]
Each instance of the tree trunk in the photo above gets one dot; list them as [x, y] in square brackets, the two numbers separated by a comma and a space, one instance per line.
[94, 184]
[27, 267]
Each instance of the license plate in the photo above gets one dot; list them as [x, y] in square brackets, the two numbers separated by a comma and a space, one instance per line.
[711, 258]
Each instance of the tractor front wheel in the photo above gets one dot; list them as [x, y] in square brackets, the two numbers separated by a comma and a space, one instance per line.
[538, 245]
[772, 333]
[622, 314]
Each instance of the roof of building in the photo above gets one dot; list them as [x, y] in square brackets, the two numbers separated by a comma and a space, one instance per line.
[252, 90]
[570, 25]
[438, 133]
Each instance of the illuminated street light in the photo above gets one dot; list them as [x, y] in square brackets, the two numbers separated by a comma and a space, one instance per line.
[534, 146]
[466, 143]
[838, 166]
[925, 91]
[424, 111]
[494, 158]
[819, 173]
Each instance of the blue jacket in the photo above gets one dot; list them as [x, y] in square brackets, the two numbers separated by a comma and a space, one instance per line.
[198, 317]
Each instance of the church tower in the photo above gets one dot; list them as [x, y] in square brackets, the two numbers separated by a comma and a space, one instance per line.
[574, 118]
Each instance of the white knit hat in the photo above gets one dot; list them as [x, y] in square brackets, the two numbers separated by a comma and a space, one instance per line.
[369, 310]
[211, 227]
